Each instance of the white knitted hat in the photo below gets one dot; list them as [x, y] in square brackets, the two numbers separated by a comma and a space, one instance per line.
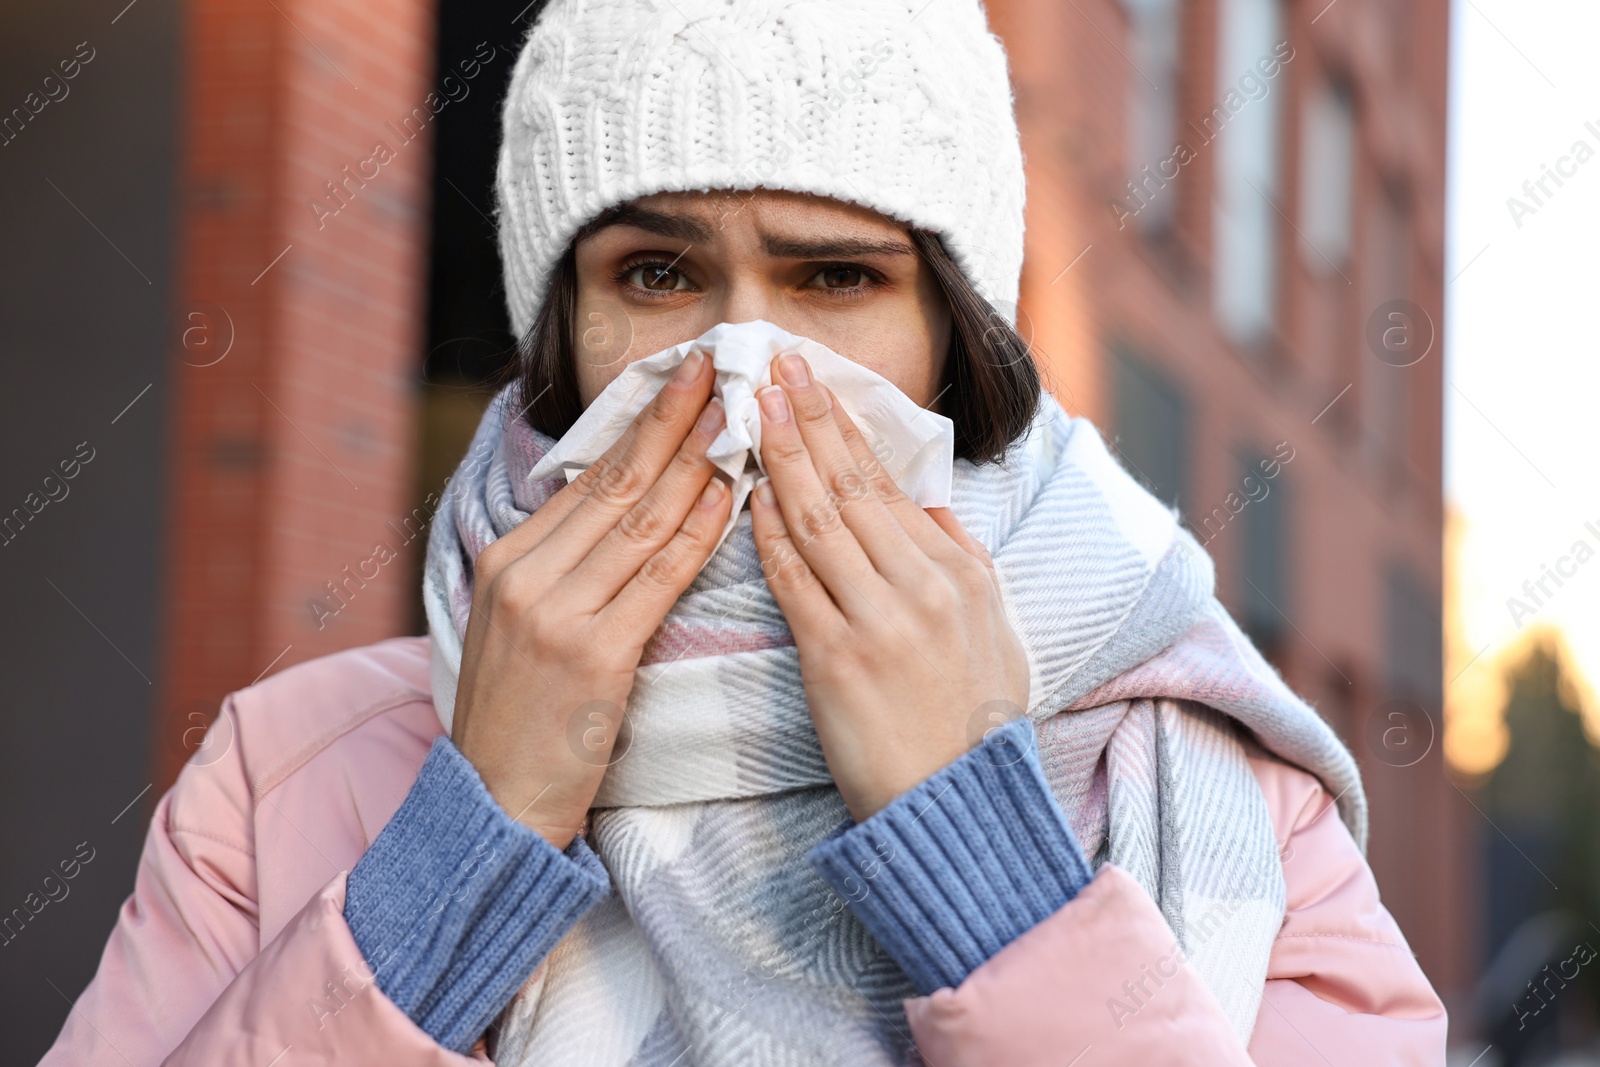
[904, 106]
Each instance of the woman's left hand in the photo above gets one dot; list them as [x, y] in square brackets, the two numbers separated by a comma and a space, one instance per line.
[905, 649]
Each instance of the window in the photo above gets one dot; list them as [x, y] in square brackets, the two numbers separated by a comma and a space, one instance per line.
[1246, 127]
[1152, 111]
[1152, 424]
[1264, 599]
[1327, 177]
[1385, 377]
[1414, 639]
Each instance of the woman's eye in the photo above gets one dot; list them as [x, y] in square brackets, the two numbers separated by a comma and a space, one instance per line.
[656, 277]
[661, 276]
[842, 277]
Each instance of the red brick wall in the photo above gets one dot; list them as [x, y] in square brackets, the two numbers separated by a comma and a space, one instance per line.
[293, 437]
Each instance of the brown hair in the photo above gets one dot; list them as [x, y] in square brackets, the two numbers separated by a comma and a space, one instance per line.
[990, 388]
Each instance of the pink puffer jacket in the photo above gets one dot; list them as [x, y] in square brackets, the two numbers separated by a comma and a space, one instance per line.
[233, 948]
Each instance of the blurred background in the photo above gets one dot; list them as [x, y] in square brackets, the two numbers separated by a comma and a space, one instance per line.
[1324, 272]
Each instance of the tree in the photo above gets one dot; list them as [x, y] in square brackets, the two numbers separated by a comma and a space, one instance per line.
[1548, 786]
[1542, 867]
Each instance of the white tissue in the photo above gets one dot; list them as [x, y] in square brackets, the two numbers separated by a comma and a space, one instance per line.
[916, 446]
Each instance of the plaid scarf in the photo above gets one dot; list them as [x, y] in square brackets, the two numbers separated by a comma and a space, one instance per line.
[719, 944]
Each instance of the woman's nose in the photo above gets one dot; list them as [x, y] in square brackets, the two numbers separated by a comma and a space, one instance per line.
[745, 300]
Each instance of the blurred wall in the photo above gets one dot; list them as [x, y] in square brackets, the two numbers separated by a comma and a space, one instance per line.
[303, 236]
[216, 256]
[87, 226]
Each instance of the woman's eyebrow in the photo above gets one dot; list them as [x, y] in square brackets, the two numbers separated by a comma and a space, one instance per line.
[832, 247]
[685, 228]
[679, 226]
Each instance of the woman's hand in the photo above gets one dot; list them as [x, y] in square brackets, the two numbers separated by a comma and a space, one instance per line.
[905, 648]
[563, 604]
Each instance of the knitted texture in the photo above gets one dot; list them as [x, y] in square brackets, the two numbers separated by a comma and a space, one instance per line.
[961, 864]
[722, 944]
[455, 903]
[903, 106]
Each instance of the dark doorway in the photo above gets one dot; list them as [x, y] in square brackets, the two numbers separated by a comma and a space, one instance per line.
[469, 340]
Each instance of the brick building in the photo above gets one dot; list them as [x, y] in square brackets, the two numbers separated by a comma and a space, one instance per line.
[1235, 267]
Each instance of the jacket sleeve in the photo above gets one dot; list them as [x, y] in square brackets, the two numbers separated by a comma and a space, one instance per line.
[1342, 986]
[456, 903]
[957, 867]
[184, 979]
[1341, 979]
[181, 981]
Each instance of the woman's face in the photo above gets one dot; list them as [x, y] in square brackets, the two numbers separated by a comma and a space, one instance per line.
[680, 263]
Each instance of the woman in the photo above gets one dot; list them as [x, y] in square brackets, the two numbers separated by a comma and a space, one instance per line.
[826, 831]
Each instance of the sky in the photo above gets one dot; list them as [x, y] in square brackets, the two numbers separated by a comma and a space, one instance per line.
[1522, 309]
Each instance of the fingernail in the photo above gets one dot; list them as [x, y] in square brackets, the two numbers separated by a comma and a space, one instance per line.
[711, 493]
[764, 492]
[774, 405]
[689, 369]
[712, 417]
[793, 369]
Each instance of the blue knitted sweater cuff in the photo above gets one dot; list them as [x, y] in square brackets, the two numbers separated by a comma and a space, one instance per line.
[961, 864]
[456, 903]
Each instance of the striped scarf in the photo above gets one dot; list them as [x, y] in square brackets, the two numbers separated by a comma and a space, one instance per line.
[719, 944]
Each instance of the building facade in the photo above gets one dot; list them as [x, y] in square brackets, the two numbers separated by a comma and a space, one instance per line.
[1235, 267]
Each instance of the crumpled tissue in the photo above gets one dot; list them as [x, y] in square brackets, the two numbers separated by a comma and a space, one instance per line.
[915, 445]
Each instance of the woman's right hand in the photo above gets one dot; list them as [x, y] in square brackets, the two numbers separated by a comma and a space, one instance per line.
[563, 604]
